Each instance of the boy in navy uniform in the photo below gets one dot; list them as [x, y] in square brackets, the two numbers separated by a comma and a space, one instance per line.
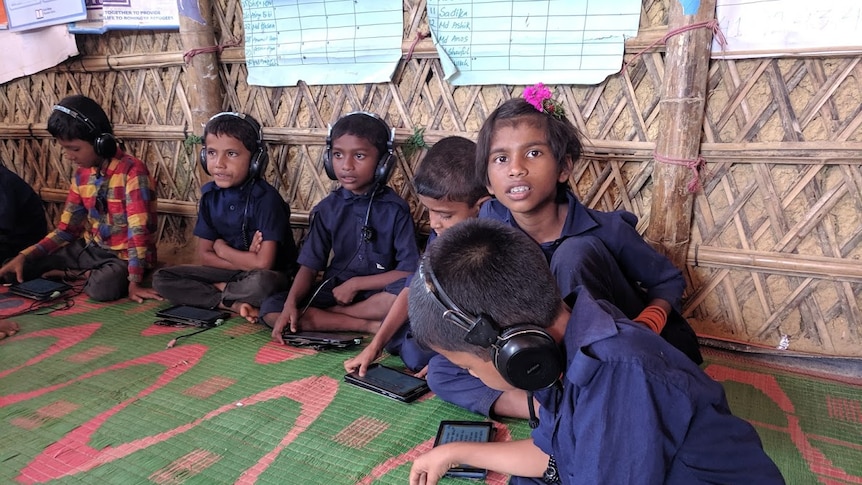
[445, 186]
[22, 216]
[619, 404]
[245, 243]
[365, 227]
[106, 233]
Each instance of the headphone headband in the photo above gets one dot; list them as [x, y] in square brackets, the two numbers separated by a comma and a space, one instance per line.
[251, 121]
[525, 355]
[78, 116]
[104, 144]
[480, 330]
[259, 158]
[385, 161]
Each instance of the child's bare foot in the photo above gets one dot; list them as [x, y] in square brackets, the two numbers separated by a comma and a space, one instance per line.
[8, 329]
[246, 311]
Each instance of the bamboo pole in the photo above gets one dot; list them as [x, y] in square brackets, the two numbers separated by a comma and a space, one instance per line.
[682, 108]
[205, 92]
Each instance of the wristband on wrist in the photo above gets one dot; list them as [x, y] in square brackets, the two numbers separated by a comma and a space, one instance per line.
[551, 476]
[654, 317]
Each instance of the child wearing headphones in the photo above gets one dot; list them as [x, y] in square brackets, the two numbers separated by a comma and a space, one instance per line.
[245, 246]
[618, 403]
[365, 227]
[448, 191]
[106, 232]
[526, 151]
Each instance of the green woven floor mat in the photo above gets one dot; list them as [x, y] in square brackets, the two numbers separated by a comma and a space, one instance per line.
[91, 394]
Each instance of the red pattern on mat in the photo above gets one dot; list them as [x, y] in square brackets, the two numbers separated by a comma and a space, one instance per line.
[185, 467]
[91, 354]
[273, 353]
[71, 454]
[207, 388]
[816, 460]
[66, 337]
[43, 415]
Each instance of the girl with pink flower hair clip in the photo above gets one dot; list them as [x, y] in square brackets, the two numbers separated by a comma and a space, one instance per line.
[525, 154]
[540, 96]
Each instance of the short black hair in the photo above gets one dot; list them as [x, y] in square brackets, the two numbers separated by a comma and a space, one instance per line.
[446, 172]
[563, 138]
[232, 124]
[487, 268]
[364, 125]
[63, 126]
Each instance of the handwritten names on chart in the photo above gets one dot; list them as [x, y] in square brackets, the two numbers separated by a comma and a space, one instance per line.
[321, 41]
[520, 42]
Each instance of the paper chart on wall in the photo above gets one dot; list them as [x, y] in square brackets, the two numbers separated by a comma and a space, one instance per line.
[31, 51]
[33, 14]
[770, 28]
[104, 15]
[524, 42]
[321, 41]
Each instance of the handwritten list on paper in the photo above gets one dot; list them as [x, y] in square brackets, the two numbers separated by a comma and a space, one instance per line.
[769, 28]
[321, 41]
[529, 41]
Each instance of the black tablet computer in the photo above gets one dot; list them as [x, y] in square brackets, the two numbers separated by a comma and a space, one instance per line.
[389, 382]
[322, 340]
[477, 431]
[191, 316]
[40, 289]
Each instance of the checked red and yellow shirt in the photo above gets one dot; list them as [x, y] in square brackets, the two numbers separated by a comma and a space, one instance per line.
[115, 210]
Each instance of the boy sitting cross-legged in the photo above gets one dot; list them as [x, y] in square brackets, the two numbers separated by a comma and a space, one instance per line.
[361, 237]
[106, 234]
[245, 244]
[450, 194]
[619, 404]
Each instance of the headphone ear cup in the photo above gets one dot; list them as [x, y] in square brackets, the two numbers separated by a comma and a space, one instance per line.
[105, 145]
[257, 164]
[384, 169]
[528, 358]
[327, 159]
[203, 160]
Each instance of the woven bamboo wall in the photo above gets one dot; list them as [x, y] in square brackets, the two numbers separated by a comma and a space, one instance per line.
[776, 238]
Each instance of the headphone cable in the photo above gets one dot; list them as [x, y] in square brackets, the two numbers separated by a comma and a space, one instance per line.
[367, 234]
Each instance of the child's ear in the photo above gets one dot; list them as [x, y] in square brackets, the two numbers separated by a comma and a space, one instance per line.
[566, 170]
[482, 201]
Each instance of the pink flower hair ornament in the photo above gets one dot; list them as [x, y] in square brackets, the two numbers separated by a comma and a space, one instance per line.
[540, 97]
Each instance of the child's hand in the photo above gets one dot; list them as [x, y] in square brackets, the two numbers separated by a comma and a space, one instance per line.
[139, 293]
[422, 372]
[15, 265]
[429, 468]
[289, 317]
[256, 242]
[345, 292]
[362, 361]
[218, 246]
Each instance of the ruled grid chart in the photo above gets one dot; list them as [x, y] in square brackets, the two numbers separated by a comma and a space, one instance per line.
[529, 41]
[321, 41]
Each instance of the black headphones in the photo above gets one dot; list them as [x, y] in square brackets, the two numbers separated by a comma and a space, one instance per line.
[525, 355]
[384, 165]
[104, 144]
[260, 157]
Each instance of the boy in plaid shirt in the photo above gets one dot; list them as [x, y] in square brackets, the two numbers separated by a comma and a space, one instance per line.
[106, 231]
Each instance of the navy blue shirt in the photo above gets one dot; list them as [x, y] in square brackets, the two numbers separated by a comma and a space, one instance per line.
[632, 409]
[640, 263]
[336, 229]
[22, 216]
[230, 214]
